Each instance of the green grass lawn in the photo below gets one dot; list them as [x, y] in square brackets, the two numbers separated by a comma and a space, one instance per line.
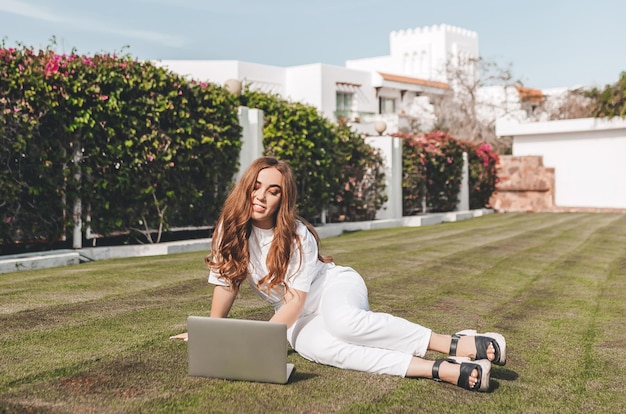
[93, 338]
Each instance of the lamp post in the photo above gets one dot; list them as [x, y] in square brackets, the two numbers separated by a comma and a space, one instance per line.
[390, 149]
[233, 86]
[380, 127]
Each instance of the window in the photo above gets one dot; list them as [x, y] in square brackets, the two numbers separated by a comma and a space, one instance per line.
[344, 103]
[387, 106]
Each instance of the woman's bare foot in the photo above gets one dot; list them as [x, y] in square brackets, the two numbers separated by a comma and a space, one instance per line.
[467, 348]
[450, 372]
[467, 374]
[491, 346]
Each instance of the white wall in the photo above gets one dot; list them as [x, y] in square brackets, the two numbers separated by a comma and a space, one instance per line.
[303, 84]
[381, 63]
[203, 70]
[588, 156]
[314, 84]
[264, 78]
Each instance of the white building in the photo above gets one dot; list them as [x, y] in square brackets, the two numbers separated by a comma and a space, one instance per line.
[394, 88]
[397, 88]
[423, 52]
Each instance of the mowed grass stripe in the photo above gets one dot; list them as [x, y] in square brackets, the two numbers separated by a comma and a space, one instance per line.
[606, 354]
[553, 321]
[553, 284]
[72, 335]
[377, 251]
[92, 281]
[527, 256]
[601, 372]
[463, 279]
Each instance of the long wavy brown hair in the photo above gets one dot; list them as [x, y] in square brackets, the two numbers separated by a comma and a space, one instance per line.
[230, 256]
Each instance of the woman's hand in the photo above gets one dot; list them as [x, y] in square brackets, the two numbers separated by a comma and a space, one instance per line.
[182, 336]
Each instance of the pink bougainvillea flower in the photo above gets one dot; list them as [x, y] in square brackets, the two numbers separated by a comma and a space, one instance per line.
[52, 66]
[104, 97]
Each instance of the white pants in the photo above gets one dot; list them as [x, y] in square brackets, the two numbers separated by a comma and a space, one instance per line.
[345, 333]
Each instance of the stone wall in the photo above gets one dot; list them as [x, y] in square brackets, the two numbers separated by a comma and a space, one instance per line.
[587, 155]
[524, 185]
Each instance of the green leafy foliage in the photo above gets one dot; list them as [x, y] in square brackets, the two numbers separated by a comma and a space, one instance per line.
[611, 101]
[145, 149]
[432, 172]
[31, 150]
[141, 147]
[362, 193]
[413, 176]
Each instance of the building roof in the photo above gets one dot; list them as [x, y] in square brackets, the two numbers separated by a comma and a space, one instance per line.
[529, 94]
[414, 81]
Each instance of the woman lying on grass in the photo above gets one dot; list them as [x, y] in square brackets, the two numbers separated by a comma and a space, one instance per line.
[259, 238]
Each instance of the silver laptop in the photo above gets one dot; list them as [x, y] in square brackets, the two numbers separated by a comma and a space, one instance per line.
[238, 349]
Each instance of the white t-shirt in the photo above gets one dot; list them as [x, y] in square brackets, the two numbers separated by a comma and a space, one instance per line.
[307, 276]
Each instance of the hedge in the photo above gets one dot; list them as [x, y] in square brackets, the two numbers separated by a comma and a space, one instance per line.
[127, 147]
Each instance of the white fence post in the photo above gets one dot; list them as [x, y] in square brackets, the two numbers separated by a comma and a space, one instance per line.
[391, 151]
[251, 121]
[77, 211]
[463, 204]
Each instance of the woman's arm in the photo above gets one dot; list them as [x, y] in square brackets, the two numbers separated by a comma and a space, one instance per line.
[291, 310]
[223, 298]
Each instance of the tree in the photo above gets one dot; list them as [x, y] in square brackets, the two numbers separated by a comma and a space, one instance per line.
[586, 102]
[570, 104]
[480, 91]
[611, 101]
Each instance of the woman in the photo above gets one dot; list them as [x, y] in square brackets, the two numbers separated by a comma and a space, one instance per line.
[260, 239]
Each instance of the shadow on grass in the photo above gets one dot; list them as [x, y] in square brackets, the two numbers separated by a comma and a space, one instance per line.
[298, 376]
[500, 374]
[504, 374]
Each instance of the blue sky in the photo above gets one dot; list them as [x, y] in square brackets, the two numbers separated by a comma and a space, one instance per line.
[549, 43]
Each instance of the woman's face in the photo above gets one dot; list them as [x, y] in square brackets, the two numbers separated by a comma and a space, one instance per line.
[266, 197]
